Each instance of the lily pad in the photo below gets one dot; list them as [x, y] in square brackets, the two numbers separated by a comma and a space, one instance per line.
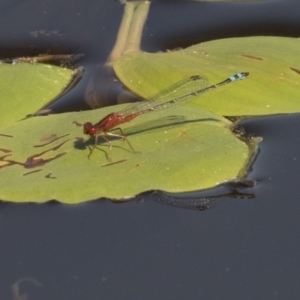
[272, 87]
[180, 149]
[26, 87]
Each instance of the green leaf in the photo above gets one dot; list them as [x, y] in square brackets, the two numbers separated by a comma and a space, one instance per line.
[26, 87]
[271, 88]
[180, 149]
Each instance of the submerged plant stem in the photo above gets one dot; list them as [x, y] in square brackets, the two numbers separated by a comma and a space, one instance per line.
[130, 31]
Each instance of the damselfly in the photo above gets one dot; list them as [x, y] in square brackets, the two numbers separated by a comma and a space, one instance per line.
[176, 93]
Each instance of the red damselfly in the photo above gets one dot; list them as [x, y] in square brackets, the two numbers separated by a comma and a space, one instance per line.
[178, 92]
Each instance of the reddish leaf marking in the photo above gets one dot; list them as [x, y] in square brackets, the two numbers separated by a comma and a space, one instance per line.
[252, 57]
[34, 160]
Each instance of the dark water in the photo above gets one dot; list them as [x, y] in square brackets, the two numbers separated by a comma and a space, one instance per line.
[239, 249]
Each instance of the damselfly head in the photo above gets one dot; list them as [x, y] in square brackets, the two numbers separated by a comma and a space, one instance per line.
[89, 128]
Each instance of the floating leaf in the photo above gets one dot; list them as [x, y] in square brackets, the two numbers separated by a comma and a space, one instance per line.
[272, 87]
[180, 149]
[26, 87]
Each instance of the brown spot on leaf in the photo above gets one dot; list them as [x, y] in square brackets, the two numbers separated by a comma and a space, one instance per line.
[5, 150]
[295, 70]
[58, 146]
[6, 163]
[6, 135]
[48, 176]
[113, 163]
[77, 123]
[35, 171]
[34, 161]
[252, 56]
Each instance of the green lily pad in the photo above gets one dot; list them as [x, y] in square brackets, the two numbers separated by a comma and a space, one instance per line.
[271, 88]
[26, 87]
[180, 149]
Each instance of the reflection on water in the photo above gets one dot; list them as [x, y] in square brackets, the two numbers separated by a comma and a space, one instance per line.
[198, 203]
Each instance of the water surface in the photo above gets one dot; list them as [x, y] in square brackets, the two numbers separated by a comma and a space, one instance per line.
[239, 249]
